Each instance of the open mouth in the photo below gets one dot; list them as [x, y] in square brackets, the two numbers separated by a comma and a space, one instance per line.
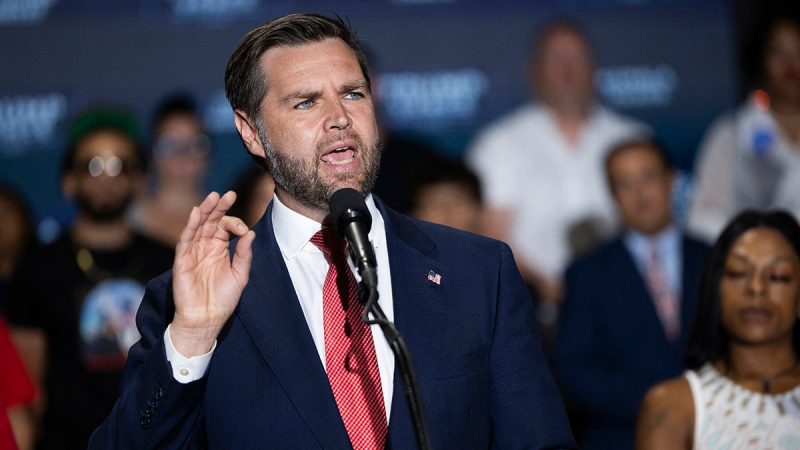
[340, 156]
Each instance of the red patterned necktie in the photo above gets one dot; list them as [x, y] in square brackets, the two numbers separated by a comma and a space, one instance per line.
[350, 359]
[667, 305]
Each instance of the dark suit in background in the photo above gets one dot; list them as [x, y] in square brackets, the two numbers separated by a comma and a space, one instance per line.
[612, 346]
[472, 337]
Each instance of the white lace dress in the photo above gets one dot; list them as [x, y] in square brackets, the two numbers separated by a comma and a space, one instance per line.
[729, 417]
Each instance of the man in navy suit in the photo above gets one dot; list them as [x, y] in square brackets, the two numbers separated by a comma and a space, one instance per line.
[629, 304]
[234, 340]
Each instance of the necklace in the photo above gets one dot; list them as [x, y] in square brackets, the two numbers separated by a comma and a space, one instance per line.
[766, 380]
[87, 263]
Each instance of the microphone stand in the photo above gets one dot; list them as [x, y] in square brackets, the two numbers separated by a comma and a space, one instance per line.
[368, 295]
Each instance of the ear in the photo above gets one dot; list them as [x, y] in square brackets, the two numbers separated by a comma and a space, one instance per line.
[249, 133]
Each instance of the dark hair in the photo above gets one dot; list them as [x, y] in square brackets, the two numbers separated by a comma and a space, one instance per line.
[651, 144]
[764, 35]
[18, 202]
[708, 340]
[437, 171]
[246, 84]
[174, 104]
[97, 120]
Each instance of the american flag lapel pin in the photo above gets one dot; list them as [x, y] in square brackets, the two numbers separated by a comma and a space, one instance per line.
[434, 278]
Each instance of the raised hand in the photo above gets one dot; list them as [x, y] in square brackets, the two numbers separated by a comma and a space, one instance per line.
[206, 283]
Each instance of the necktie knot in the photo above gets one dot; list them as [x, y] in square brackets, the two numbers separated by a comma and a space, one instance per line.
[330, 243]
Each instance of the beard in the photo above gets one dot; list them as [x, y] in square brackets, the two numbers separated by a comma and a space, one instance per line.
[103, 212]
[301, 178]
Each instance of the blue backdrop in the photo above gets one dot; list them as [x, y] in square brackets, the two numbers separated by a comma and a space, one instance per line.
[446, 68]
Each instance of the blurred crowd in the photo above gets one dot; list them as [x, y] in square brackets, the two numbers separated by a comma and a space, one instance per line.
[582, 194]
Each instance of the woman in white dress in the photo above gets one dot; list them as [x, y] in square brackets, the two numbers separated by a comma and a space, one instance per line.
[742, 386]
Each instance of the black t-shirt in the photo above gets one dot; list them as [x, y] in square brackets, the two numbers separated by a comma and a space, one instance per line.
[85, 302]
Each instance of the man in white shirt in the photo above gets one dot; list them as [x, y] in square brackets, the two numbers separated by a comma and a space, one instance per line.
[236, 342]
[541, 166]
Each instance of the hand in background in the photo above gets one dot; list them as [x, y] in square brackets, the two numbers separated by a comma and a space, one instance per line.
[207, 283]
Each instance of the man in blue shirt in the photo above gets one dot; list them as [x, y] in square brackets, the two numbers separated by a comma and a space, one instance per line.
[629, 304]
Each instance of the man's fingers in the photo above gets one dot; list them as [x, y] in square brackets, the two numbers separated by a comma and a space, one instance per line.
[188, 232]
[230, 225]
[208, 221]
[209, 204]
[197, 219]
[217, 212]
[206, 208]
[228, 200]
[243, 256]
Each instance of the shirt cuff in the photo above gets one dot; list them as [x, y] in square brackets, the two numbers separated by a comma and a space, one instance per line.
[185, 370]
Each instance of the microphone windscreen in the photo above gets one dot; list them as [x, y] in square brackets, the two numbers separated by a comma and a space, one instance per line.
[347, 205]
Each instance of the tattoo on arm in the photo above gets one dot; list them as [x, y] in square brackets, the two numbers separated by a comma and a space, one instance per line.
[654, 421]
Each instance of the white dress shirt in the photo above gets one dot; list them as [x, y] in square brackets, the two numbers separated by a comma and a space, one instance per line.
[527, 166]
[669, 248]
[307, 269]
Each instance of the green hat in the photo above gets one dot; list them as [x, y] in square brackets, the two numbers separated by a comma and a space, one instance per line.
[97, 119]
[103, 118]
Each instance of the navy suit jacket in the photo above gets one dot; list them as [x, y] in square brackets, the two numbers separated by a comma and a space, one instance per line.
[611, 346]
[483, 378]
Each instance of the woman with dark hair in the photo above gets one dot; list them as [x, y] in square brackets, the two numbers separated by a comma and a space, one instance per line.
[750, 157]
[742, 387]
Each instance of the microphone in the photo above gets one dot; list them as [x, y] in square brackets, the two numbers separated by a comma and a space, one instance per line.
[350, 217]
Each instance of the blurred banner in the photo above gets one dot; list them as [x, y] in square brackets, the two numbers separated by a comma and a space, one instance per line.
[444, 68]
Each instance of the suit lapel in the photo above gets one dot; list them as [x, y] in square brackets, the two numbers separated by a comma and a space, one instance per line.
[419, 310]
[647, 315]
[270, 312]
